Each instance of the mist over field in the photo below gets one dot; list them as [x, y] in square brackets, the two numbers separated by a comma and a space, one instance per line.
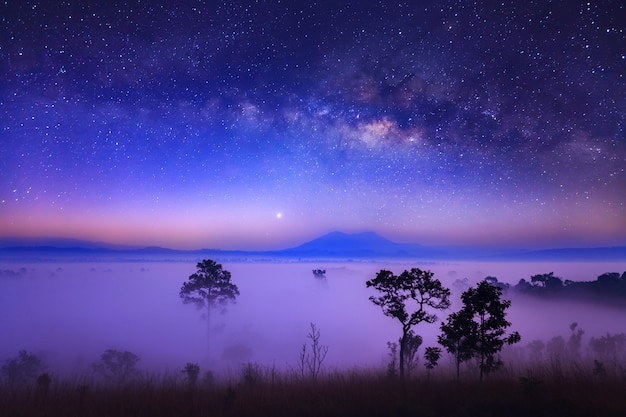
[69, 313]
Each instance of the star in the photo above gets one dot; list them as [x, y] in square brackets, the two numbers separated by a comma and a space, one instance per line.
[437, 125]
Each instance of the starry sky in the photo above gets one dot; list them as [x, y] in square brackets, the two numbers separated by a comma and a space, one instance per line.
[263, 124]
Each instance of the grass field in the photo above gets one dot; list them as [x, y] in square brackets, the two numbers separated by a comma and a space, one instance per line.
[547, 390]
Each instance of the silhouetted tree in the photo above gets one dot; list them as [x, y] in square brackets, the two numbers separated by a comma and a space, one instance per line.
[117, 366]
[609, 283]
[610, 286]
[192, 370]
[43, 383]
[480, 325]
[611, 348]
[456, 337]
[547, 280]
[398, 290]
[210, 287]
[491, 280]
[575, 341]
[609, 278]
[392, 366]
[523, 286]
[431, 358]
[23, 368]
[319, 273]
[494, 281]
[413, 342]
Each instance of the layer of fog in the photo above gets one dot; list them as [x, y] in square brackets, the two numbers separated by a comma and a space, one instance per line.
[70, 313]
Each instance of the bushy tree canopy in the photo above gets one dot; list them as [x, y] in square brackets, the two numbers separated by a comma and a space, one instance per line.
[210, 286]
[456, 337]
[547, 280]
[410, 298]
[479, 328]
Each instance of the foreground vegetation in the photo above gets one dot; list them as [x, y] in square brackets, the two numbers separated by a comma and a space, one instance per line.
[550, 390]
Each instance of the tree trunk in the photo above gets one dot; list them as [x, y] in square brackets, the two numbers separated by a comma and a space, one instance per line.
[402, 347]
[209, 303]
[482, 362]
[208, 333]
[458, 366]
[482, 344]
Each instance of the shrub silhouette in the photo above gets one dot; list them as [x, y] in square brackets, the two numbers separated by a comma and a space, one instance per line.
[117, 366]
[22, 369]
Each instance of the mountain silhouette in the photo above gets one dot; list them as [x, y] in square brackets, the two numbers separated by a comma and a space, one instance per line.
[365, 243]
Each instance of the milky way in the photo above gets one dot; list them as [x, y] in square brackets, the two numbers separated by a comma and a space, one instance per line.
[262, 124]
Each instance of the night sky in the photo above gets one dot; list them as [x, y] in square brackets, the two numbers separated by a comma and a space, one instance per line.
[260, 125]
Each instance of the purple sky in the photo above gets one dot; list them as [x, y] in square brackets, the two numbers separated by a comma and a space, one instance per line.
[262, 125]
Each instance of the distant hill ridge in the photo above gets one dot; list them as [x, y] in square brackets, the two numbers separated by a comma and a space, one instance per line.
[332, 245]
[60, 243]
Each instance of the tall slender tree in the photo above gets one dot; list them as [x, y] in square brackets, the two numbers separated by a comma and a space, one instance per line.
[456, 337]
[479, 328]
[210, 288]
[416, 287]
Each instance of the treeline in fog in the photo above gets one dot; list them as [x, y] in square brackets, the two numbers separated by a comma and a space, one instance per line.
[607, 287]
[475, 345]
